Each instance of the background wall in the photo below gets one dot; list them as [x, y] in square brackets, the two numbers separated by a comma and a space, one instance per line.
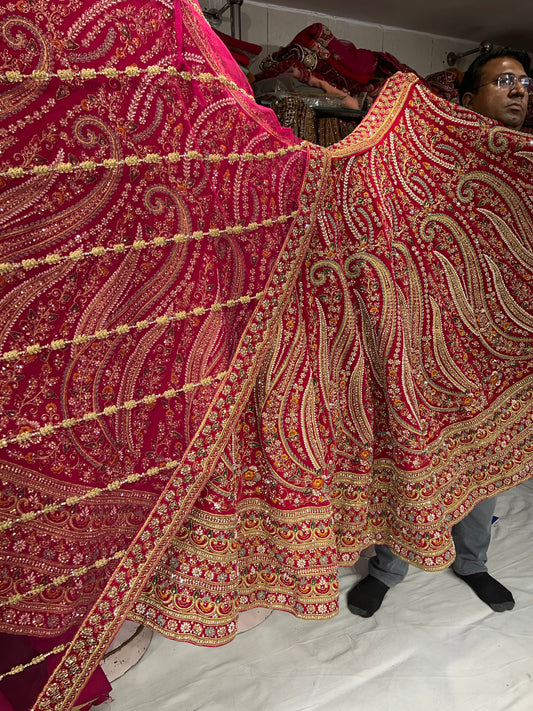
[273, 27]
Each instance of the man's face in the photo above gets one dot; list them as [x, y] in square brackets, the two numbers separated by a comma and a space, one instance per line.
[507, 105]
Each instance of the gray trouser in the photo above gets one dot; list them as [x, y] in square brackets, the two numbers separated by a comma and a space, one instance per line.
[471, 538]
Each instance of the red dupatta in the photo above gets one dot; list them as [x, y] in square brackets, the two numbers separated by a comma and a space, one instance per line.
[232, 360]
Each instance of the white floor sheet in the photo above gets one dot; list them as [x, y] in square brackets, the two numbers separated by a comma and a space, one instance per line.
[432, 646]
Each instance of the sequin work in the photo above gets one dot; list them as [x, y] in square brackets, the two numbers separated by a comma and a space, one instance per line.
[335, 352]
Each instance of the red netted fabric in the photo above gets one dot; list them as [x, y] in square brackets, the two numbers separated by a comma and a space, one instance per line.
[232, 360]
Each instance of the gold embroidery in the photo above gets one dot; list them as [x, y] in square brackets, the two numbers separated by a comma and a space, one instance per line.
[36, 660]
[87, 73]
[91, 494]
[149, 158]
[121, 247]
[60, 579]
[110, 410]
[121, 330]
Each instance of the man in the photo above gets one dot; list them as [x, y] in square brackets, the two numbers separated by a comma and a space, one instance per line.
[495, 85]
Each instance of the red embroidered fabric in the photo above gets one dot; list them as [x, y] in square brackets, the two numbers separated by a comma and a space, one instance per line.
[316, 55]
[315, 52]
[344, 56]
[231, 361]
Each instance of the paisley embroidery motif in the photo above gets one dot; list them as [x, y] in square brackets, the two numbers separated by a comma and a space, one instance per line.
[233, 360]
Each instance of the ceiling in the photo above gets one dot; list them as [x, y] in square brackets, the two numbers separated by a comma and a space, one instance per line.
[506, 22]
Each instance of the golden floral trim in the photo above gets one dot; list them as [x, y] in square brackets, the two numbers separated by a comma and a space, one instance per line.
[36, 660]
[110, 410]
[61, 579]
[125, 328]
[138, 244]
[87, 73]
[91, 494]
[150, 158]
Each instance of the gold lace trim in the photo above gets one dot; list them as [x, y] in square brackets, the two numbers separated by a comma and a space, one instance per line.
[60, 579]
[110, 410]
[91, 494]
[150, 158]
[36, 660]
[138, 244]
[14, 76]
[123, 329]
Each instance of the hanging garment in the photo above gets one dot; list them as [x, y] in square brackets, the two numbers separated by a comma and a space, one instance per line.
[446, 83]
[231, 359]
[315, 55]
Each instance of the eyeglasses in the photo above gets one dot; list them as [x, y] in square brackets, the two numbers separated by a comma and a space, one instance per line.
[507, 80]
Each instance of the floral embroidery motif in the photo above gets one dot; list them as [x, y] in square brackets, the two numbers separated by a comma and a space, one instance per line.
[357, 321]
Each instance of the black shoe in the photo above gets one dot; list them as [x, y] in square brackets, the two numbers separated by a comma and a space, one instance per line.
[366, 596]
[488, 589]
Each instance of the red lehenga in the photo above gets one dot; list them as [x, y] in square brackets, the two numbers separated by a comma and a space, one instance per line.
[232, 360]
